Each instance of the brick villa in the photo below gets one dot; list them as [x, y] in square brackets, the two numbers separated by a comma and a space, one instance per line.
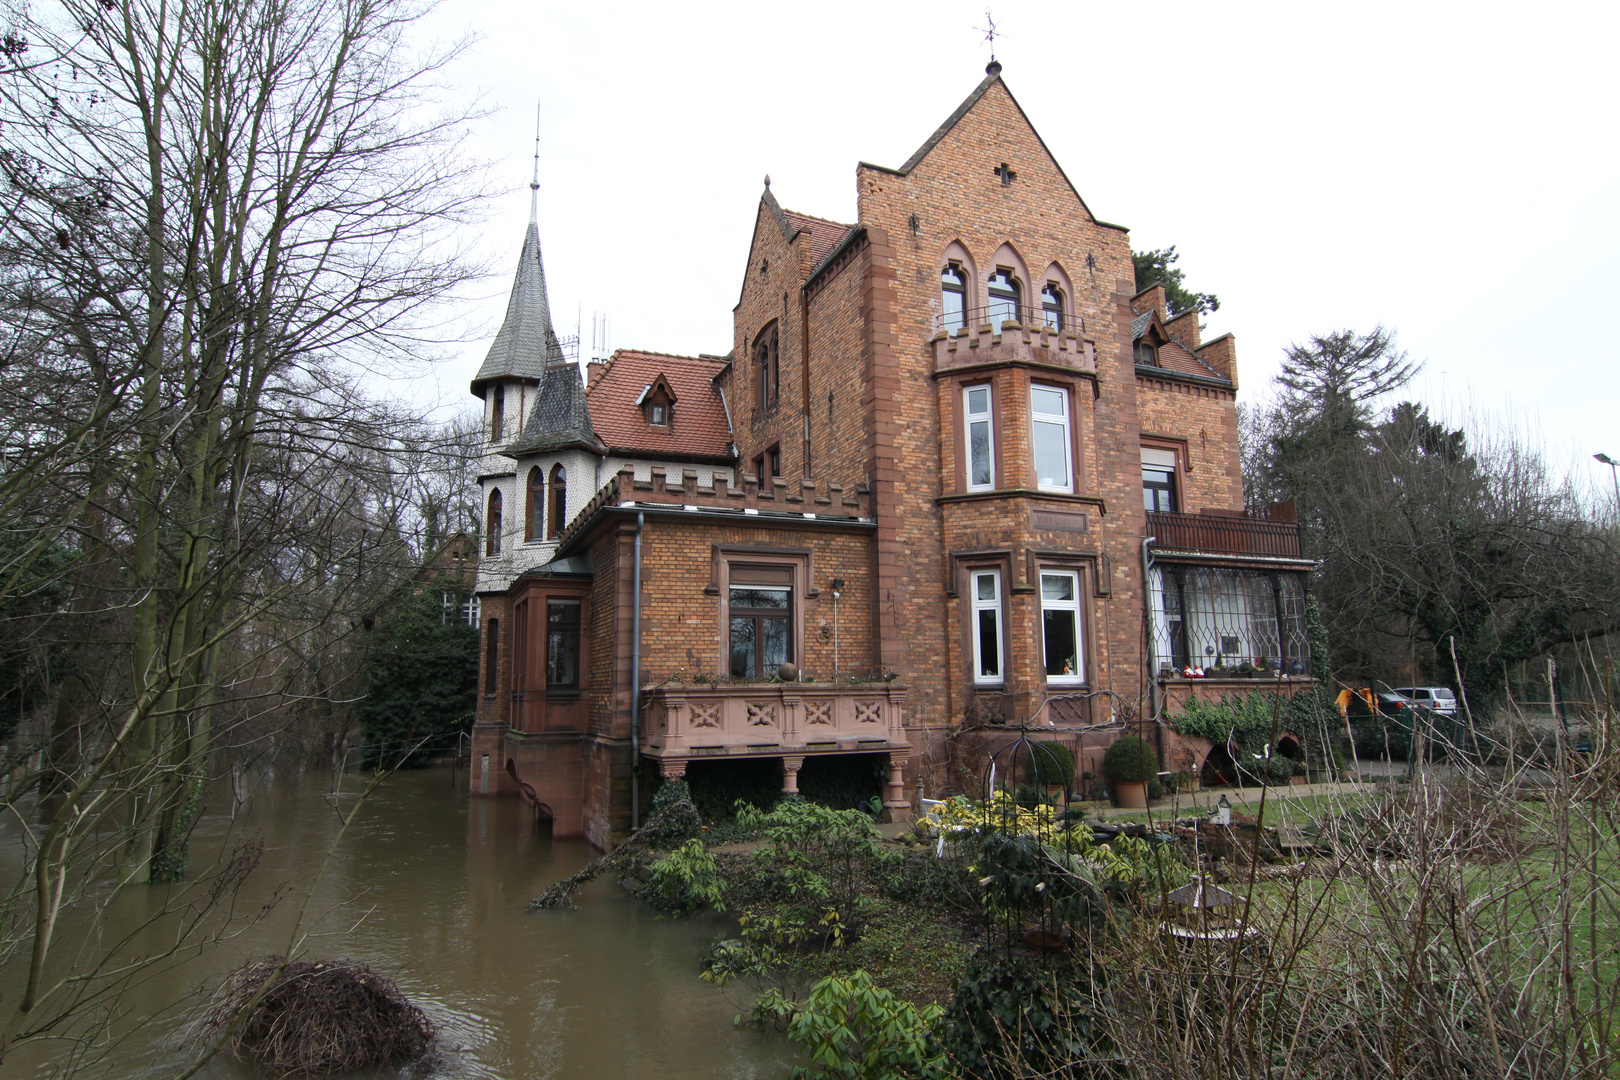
[952, 470]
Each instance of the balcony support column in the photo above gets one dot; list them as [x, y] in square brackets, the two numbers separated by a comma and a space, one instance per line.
[897, 806]
[672, 768]
[791, 764]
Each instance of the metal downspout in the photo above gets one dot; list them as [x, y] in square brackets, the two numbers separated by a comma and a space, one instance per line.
[635, 681]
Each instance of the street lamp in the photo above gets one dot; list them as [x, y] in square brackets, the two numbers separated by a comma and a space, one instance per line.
[1614, 474]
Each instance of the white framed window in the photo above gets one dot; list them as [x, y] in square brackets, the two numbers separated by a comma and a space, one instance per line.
[469, 610]
[1062, 647]
[1049, 436]
[985, 592]
[981, 438]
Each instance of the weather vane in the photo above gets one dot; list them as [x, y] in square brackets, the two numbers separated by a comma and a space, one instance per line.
[990, 34]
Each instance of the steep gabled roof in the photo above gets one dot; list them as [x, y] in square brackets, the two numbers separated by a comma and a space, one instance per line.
[1174, 357]
[526, 342]
[698, 427]
[561, 416]
[992, 75]
[825, 235]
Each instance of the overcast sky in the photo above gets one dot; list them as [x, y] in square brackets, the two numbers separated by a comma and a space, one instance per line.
[1448, 170]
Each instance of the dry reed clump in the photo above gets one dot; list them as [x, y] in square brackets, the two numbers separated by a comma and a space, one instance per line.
[315, 1018]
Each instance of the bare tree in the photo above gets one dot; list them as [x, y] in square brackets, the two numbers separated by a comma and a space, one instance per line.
[217, 215]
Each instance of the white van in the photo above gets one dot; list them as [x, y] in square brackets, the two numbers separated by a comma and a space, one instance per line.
[1438, 698]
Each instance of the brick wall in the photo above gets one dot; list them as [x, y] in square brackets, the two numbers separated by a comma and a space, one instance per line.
[1205, 419]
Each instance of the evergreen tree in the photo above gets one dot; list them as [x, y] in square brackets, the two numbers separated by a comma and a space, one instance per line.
[1159, 268]
[421, 675]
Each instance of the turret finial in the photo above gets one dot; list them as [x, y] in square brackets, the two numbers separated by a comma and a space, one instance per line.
[534, 185]
[767, 179]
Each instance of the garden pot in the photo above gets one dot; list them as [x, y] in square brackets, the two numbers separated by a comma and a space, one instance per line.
[1131, 794]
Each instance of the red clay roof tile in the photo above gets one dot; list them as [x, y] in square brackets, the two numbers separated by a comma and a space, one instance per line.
[698, 425]
[825, 235]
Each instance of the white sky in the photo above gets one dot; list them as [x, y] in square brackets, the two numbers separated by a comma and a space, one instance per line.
[1448, 170]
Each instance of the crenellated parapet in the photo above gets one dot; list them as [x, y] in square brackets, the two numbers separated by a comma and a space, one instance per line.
[982, 344]
[805, 498]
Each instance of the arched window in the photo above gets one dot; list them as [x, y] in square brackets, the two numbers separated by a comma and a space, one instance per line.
[767, 369]
[497, 414]
[1052, 306]
[536, 517]
[1005, 298]
[953, 296]
[559, 499]
[492, 524]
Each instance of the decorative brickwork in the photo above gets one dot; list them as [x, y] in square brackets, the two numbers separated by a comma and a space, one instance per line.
[850, 367]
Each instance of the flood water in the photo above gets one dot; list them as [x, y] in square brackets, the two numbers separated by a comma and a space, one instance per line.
[431, 891]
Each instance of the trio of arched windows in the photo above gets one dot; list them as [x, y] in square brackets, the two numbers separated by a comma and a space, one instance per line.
[547, 511]
[1005, 294]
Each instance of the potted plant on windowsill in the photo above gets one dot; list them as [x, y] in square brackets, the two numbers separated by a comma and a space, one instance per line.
[1130, 764]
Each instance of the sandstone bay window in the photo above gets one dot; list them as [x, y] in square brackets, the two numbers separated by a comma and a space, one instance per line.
[1231, 620]
[1061, 642]
[1050, 438]
[985, 595]
[562, 644]
[759, 613]
[980, 431]
[1005, 297]
[953, 296]
[492, 524]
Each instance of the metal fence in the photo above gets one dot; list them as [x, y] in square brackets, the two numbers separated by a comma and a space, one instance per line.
[995, 314]
[1228, 621]
[1219, 534]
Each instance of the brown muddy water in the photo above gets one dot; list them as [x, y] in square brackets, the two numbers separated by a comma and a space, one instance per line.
[431, 891]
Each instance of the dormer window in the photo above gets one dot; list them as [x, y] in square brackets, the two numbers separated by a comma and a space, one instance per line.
[1147, 353]
[657, 402]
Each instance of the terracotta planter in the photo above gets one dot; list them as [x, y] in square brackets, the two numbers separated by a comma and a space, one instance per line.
[1131, 794]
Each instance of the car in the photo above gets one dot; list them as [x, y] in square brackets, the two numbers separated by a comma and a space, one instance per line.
[1394, 705]
[1438, 698]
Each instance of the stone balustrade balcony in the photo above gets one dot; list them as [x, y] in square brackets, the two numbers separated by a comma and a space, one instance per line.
[772, 720]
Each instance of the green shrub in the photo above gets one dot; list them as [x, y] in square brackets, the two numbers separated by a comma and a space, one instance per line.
[717, 786]
[1016, 1017]
[855, 1030]
[673, 818]
[1130, 759]
[1051, 763]
[844, 781]
[686, 879]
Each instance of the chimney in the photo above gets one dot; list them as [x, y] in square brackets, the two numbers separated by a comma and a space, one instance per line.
[1221, 354]
[1152, 298]
[593, 371]
[1184, 329]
